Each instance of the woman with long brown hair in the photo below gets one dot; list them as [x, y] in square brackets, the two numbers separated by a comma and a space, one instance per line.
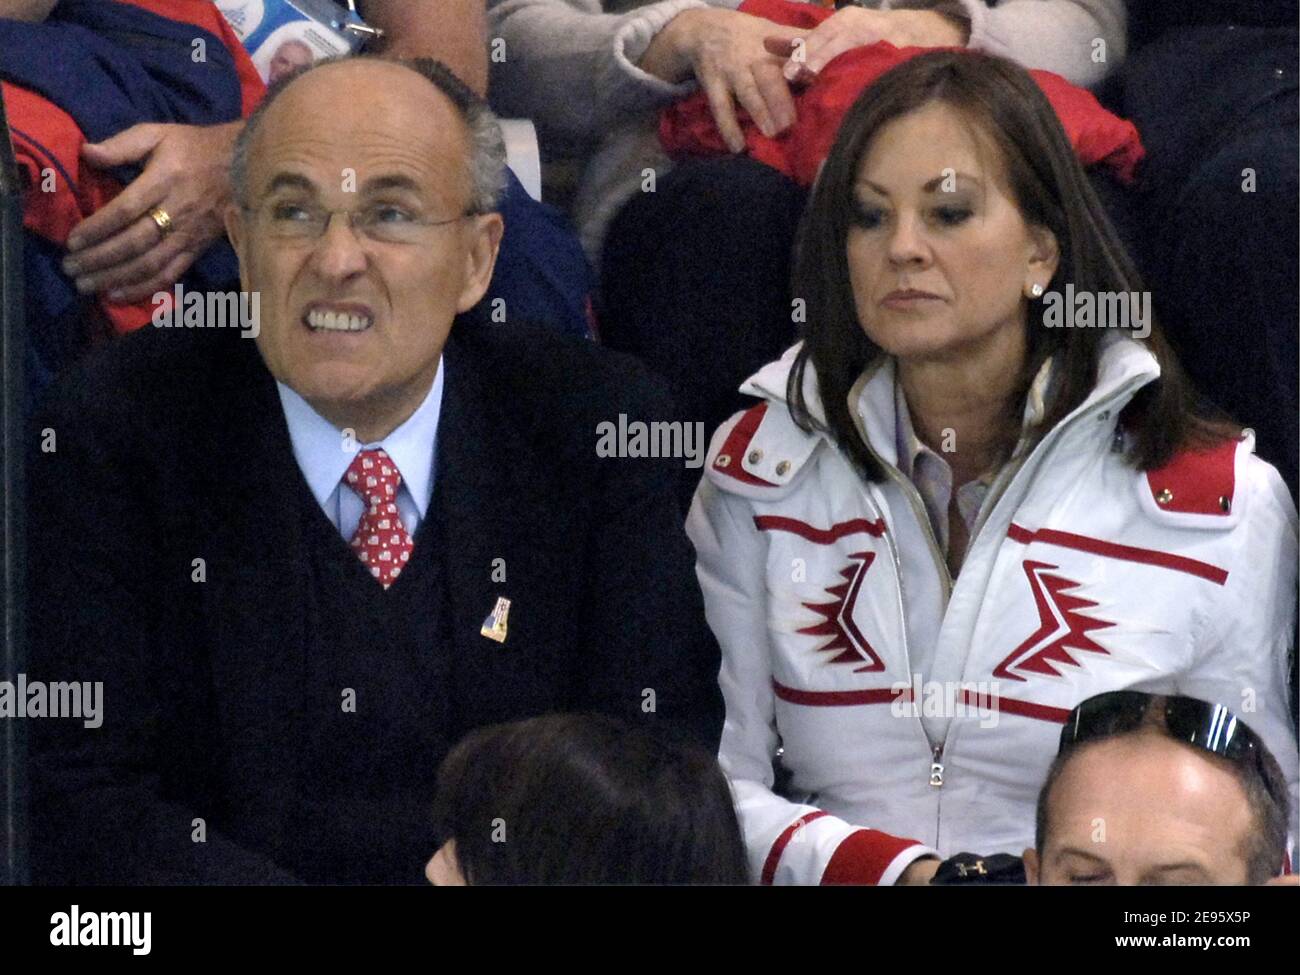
[979, 492]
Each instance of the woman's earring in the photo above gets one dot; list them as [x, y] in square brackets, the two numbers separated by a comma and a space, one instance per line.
[1036, 290]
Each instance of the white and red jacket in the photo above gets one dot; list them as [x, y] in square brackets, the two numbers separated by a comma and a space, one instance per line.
[1083, 575]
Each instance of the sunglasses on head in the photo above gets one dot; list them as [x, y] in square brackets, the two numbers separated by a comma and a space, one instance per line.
[1203, 724]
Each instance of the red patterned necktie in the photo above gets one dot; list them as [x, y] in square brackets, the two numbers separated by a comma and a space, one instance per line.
[381, 540]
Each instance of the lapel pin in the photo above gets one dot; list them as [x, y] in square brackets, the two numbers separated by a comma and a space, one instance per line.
[494, 627]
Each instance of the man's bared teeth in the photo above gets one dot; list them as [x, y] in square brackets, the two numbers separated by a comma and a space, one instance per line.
[331, 321]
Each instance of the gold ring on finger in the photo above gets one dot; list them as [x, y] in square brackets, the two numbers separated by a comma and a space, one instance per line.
[162, 220]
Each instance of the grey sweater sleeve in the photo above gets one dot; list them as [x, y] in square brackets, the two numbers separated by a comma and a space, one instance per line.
[1081, 40]
[571, 68]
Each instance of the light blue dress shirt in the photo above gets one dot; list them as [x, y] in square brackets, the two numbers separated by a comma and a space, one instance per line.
[323, 455]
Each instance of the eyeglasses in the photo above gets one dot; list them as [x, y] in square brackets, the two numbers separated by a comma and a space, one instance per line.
[1209, 726]
[386, 223]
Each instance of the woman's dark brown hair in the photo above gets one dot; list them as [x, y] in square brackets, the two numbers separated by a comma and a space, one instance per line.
[587, 799]
[1049, 186]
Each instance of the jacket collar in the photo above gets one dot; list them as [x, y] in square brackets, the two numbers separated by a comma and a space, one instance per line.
[1124, 366]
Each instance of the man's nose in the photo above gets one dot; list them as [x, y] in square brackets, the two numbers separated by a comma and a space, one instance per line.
[339, 252]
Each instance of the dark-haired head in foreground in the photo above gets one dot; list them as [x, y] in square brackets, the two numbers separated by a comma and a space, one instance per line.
[583, 799]
[1139, 798]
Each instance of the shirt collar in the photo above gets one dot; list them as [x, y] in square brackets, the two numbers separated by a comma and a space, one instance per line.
[318, 445]
[909, 445]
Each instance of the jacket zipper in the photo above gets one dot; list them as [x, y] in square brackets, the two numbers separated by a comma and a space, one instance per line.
[936, 751]
[1101, 407]
[918, 510]
[935, 771]
[936, 767]
[1003, 484]
[936, 782]
[898, 589]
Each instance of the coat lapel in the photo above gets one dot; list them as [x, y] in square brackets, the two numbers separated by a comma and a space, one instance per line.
[503, 527]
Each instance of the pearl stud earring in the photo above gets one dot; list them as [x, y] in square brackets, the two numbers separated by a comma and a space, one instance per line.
[1036, 290]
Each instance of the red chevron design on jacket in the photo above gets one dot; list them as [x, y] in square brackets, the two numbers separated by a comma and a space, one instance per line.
[1062, 627]
[845, 637]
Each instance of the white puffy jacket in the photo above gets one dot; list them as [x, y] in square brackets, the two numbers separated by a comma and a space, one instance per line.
[1083, 575]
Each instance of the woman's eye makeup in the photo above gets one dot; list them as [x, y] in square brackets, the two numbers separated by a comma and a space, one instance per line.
[951, 214]
[945, 214]
[866, 215]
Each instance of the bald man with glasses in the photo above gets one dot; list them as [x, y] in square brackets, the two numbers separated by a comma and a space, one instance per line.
[305, 565]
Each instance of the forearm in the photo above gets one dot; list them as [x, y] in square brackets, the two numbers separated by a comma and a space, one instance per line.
[790, 843]
[451, 31]
[32, 11]
[101, 813]
[100, 825]
[573, 69]
[665, 56]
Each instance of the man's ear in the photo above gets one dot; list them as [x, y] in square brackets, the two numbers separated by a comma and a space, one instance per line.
[1044, 255]
[480, 258]
[237, 231]
[1030, 856]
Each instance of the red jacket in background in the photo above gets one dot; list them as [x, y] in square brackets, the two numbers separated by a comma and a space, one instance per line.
[687, 128]
[45, 137]
[204, 13]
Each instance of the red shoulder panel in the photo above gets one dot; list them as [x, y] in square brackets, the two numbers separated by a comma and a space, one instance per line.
[733, 450]
[46, 138]
[1197, 482]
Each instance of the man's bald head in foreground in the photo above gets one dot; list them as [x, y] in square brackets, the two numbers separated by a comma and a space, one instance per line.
[413, 80]
[1144, 808]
